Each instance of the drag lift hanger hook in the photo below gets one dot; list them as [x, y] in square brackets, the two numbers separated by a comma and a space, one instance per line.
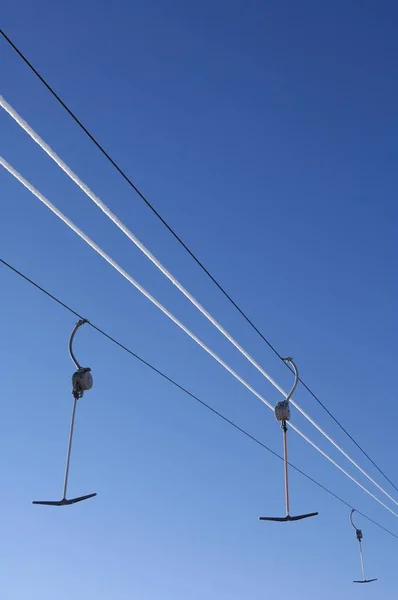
[82, 381]
[359, 538]
[282, 414]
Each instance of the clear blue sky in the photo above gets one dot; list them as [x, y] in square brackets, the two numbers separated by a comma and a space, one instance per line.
[266, 134]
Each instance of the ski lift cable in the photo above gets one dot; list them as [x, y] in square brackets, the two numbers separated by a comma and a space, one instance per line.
[182, 243]
[52, 154]
[131, 280]
[188, 393]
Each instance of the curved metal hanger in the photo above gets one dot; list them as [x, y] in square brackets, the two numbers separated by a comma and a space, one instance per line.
[81, 382]
[72, 337]
[290, 361]
[359, 538]
[351, 519]
[282, 414]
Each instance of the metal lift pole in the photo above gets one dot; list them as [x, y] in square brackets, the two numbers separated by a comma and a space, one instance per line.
[282, 414]
[82, 381]
[359, 535]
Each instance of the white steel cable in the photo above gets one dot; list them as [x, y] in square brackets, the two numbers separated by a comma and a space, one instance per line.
[131, 280]
[50, 152]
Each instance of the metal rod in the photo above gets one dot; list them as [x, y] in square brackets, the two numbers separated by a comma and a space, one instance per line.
[72, 425]
[362, 566]
[284, 428]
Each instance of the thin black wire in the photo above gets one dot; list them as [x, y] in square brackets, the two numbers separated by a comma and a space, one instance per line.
[191, 395]
[190, 252]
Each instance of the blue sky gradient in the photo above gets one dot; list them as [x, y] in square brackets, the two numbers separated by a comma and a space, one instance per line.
[265, 133]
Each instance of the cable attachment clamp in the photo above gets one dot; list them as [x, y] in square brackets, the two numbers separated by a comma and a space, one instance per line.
[282, 411]
[82, 381]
